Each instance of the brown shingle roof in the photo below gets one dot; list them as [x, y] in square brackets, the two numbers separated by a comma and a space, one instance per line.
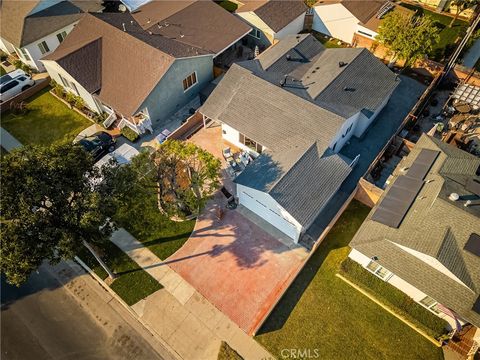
[22, 28]
[130, 68]
[275, 13]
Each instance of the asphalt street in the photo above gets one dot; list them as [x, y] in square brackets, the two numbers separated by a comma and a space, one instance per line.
[41, 320]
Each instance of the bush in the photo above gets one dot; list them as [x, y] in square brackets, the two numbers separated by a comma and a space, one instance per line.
[227, 353]
[229, 6]
[130, 134]
[70, 98]
[20, 65]
[100, 118]
[79, 103]
[3, 56]
[401, 303]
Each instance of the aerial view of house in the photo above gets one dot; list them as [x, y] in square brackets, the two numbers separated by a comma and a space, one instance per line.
[240, 179]
[423, 236]
[141, 67]
[33, 29]
[294, 107]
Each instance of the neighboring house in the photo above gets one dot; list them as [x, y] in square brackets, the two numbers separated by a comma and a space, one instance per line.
[293, 108]
[423, 236]
[272, 20]
[33, 29]
[139, 68]
[446, 5]
[347, 19]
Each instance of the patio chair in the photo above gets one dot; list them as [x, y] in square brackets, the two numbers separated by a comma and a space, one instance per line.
[227, 154]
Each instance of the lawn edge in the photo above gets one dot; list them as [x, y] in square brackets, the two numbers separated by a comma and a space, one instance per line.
[390, 310]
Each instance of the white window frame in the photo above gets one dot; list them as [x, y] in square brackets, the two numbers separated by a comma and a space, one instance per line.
[378, 269]
[258, 33]
[433, 307]
[69, 85]
[43, 48]
[25, 54]
[61, 35]
[193, 83]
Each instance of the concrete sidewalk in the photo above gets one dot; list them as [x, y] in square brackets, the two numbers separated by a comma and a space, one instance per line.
[7, 141]
[182, 316]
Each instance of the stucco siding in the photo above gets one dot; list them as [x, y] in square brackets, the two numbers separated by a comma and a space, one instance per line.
[344, 134]
[34, 51]
[267, 208]
[233, 137]
[364, 122]
[54, 70]
[168, 96]
[267, 34]
[293, 28]
[336, 21]
[410, 290]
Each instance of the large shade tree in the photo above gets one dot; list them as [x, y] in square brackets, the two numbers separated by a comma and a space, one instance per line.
[408, 37]
[54, 201]
[182, 175]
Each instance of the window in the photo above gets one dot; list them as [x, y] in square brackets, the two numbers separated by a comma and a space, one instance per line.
[8, 86]
[364, 33]
[250, 143]
[250, 196]
[74, 88]
[189, 81]
[43, 47]
[261, 203]
[25, 54]
[69, 84]
[379, 270]
[255, 33]
[430, 304]
[334, 146]
[61, 36]
[348, 130]
[64, 81]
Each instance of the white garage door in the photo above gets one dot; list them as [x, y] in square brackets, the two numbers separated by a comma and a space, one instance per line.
[268, 215]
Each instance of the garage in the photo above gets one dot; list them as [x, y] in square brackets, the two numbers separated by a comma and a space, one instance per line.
[265, 207]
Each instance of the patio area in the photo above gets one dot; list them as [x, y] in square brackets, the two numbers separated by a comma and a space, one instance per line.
[235, 259]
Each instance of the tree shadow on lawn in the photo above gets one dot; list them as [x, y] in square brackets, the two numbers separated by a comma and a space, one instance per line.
[340, 236]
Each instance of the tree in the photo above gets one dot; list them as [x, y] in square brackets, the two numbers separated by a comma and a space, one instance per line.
[182, 176]
[461, 5]
[53, 202]
[408, 37]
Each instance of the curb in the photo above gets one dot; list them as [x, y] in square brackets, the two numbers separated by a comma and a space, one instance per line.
[128, 308]
[388, 309]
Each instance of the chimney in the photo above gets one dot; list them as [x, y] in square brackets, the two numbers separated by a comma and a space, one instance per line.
[454, 197]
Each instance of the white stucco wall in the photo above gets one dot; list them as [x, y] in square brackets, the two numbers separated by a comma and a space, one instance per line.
[402, 285]
[267, 208]
[254, 21]
[233, 137]
[293, 28]
[6, 46]
[336, 21]
[364, 122]
[34, 51]
[342, 136]
[54, 70]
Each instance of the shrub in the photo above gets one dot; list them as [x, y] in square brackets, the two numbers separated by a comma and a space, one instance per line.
[401, 303]
[3, 56]
[20, 65]
[70, 98]
[227, 353]
[100, 118]
[229, 6]
[130, 134]
[78, 102]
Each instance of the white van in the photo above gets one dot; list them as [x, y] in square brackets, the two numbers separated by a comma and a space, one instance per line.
[14, 83]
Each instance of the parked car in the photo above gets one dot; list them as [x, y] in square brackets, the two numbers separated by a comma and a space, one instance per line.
[98, 144]
[14, 83]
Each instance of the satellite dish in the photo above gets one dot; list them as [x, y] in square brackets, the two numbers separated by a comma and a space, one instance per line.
[122, 8]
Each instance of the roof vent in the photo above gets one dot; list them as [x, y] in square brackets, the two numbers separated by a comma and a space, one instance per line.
[341, 64]
[122, 8]
[283, 81]
[467, 203]
[346, 88]
[454, 197]
[123, 26]
[288, 57]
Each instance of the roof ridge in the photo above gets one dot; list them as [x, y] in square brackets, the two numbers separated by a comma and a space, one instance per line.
[362, 51]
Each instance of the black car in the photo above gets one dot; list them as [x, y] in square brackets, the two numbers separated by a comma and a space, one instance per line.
[98, 144]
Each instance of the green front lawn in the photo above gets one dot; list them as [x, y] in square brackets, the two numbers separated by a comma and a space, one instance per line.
[2, 71]
[448, 36]
[132, 284]
[47, 120]
[142, 219]
[327, 41]
[325, 315]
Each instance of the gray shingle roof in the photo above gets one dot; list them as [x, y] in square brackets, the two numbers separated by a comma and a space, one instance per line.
[435, 227]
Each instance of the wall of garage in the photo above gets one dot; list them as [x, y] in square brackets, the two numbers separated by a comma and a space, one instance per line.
[267, 208]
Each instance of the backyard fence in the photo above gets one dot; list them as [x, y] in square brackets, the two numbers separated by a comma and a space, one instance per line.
[190, 127]
[38, 86]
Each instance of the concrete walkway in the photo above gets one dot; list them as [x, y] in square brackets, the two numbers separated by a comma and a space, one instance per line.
[7, 141]
[179, 314]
